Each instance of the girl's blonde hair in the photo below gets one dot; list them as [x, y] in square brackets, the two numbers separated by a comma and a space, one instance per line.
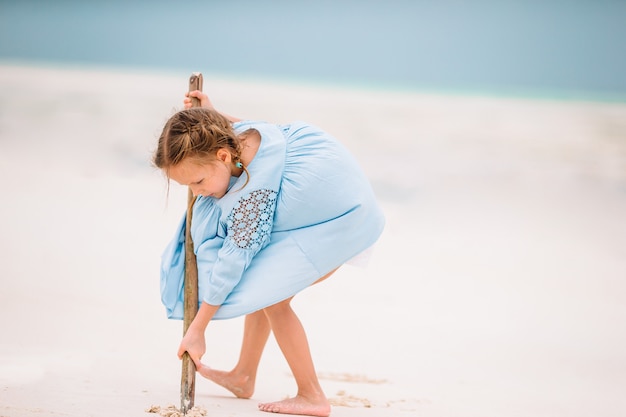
[196, 133]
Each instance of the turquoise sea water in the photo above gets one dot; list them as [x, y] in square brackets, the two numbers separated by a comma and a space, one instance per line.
[508, 47]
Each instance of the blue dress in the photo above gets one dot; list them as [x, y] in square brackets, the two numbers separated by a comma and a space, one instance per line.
[306, 210]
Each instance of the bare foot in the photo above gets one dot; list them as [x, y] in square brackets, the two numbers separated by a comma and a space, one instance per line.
[240, 385]
[298, 405]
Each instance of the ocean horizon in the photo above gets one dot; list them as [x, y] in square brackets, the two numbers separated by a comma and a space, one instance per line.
[532, 49]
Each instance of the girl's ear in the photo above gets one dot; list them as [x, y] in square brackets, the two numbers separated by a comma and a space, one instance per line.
[223, 155]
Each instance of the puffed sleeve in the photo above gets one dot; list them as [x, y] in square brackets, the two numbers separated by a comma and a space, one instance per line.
[248, 226]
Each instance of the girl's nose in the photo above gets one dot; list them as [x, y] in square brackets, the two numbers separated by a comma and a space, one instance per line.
[194, 191]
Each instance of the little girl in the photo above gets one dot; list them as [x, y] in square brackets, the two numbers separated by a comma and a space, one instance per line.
[278, 208]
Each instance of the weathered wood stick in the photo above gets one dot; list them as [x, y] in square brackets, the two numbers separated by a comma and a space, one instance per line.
[188, 378]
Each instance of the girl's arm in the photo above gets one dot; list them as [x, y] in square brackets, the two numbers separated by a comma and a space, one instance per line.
[205, 102]
[193, 342]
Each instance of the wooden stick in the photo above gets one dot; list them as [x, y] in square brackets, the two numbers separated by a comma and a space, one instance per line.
[188, 378]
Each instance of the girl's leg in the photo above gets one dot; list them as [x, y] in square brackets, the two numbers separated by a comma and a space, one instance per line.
[292, 340]
[289, 333]
[240, 381]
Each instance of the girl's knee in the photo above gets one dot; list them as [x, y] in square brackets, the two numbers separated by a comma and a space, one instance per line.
[278, 308]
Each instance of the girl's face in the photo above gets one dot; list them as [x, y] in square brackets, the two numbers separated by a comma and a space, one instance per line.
[208, 179]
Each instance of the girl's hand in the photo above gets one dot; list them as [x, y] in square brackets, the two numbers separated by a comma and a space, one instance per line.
[194, 344]
[204, 102]
[204, 99]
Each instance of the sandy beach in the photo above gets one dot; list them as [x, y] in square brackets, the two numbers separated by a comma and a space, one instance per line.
[497, 289]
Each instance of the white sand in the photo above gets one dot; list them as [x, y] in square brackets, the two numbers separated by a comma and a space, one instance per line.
[497, 289]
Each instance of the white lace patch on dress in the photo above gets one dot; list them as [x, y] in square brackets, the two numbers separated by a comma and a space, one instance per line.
[250, 221]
